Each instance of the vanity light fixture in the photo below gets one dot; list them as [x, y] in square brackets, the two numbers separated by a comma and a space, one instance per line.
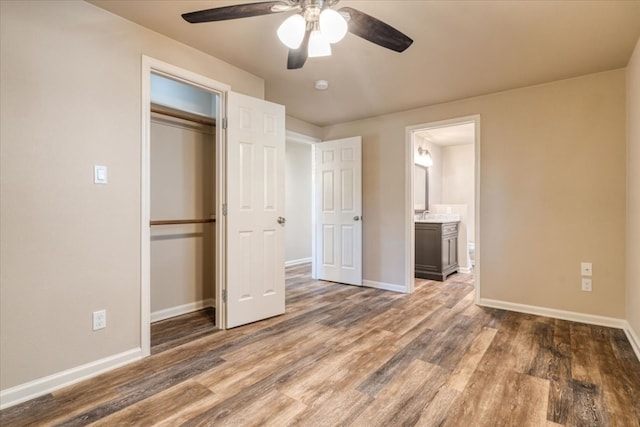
[428, 161]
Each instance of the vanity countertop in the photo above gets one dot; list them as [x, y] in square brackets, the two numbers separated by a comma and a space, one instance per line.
[440, 218]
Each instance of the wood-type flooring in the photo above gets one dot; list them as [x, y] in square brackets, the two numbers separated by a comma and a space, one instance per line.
[355, 356]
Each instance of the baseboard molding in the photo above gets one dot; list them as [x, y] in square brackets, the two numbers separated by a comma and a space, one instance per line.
[465, 270]
[633, 338]
[41, 386]
[179, 310]
[384, 286]
[573, 316]
[297, 262]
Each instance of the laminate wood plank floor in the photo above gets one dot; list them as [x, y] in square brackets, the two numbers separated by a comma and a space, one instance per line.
[355, 356]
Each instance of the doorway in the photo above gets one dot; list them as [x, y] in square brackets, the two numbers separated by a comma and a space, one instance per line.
[182, 184]
[203, 140]
[248, 207]
[449, 153]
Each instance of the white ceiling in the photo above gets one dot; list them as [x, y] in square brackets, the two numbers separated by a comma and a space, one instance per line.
[461, 49]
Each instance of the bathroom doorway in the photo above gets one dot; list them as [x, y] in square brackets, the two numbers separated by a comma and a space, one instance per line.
[444, 157]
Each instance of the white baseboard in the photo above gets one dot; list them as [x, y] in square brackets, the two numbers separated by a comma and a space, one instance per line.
[41, 386]
[633, 338]
[297, 262]
[465, 270]
[384, 286]
[573, 316]
[179, 310]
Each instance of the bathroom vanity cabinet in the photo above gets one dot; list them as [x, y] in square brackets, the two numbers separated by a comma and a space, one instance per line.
[436, 249]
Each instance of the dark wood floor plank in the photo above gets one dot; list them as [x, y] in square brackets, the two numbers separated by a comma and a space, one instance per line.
[398, 363]
[588, 405]
[629, 374]
[402, 400]
[345, 355]
[470, 360]
[581, 349]
[559, 373]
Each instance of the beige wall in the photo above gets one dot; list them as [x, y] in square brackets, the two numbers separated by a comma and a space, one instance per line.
[552, 191]
[298, 193]
[458, 181]
[182, 187]
[633, 191]
[70, 84]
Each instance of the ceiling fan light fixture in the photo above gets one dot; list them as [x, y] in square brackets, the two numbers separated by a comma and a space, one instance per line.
[333, 25]
[291, 31]
[318, 45]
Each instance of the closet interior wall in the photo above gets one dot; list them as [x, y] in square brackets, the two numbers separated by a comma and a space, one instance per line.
[182, 188]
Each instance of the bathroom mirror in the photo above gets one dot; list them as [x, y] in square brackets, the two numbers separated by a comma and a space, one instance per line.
[421, 188]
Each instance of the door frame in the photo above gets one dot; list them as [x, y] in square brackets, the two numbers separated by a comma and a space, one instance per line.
[152, 65]
[410, 132]
[299, 138]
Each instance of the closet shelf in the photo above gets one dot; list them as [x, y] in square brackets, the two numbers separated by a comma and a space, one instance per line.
[181, 221]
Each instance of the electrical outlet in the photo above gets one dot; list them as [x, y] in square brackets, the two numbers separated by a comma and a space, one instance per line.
[99, 319]
[586, 269]
[586, 284]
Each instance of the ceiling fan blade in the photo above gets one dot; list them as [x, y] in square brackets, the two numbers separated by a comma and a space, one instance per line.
[376, 31]
[297, 57]
[233, 12]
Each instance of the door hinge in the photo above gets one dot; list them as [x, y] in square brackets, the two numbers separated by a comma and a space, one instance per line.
[224, 209]
[224, 295]
[224, 123]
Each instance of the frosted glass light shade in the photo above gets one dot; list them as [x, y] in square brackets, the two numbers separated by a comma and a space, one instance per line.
[333, 25]
[291, 31]
[428, 161]
[318, 45]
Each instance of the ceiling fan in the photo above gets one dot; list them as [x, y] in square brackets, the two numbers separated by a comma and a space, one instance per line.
[313, 28]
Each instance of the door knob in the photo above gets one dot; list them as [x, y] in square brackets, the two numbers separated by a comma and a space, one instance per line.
[356, 218]
[281, 220]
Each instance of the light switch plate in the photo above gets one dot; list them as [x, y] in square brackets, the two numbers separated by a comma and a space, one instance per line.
[586, 269]
[99, 174]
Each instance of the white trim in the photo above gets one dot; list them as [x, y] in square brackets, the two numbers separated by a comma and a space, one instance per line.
[293, 262]
[384, 286]
[150, 65]
[41, 386]
[573, 316]
[409, 211]
[633, 338]
[179, 310]
[465, 270]
[409, 214]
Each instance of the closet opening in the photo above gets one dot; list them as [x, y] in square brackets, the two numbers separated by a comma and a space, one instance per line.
[182, 187]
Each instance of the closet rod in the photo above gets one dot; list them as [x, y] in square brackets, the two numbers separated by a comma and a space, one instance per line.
[181, 221]
[184, 115]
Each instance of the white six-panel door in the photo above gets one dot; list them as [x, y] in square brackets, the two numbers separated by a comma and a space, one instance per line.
[255, 210]
[338, 210]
